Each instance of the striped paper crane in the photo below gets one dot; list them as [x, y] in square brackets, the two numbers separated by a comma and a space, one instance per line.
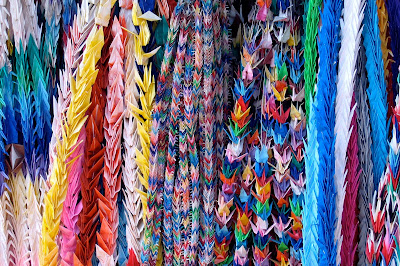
[351, 37]
[108, 209]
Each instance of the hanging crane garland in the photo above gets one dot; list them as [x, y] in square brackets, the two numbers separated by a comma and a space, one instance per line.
[206, 132]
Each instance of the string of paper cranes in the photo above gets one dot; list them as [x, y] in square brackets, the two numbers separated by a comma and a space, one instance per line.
[199, 132]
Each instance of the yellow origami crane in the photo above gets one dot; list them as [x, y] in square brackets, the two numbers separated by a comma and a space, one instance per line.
[280, 96]
[294, 113]
[247, 173]
[143, 38]
[147, 95]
